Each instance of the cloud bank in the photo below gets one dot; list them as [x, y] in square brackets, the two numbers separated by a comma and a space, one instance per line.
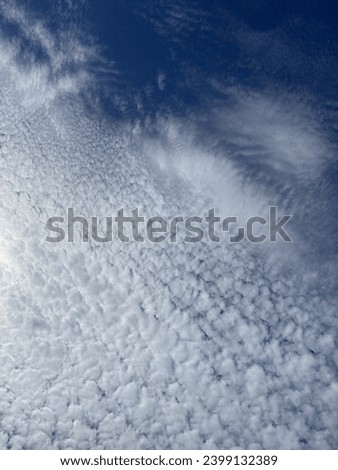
[169, 346]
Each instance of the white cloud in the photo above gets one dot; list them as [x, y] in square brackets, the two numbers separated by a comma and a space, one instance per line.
[136, 346]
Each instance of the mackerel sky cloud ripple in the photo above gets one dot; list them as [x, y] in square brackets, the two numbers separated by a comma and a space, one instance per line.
[172, 108]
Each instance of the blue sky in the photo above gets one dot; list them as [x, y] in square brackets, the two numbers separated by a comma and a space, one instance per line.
[174, 108]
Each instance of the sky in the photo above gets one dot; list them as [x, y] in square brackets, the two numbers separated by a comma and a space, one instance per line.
[173, 108]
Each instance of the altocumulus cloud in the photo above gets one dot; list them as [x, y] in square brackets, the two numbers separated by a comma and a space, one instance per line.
[166, 346]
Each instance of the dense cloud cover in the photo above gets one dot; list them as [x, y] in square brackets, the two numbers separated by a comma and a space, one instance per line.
[147, 346]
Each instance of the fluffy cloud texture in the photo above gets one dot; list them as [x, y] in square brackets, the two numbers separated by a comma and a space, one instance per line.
[144, 346]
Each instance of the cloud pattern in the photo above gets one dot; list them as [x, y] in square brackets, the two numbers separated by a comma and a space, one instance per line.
[167, 346]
